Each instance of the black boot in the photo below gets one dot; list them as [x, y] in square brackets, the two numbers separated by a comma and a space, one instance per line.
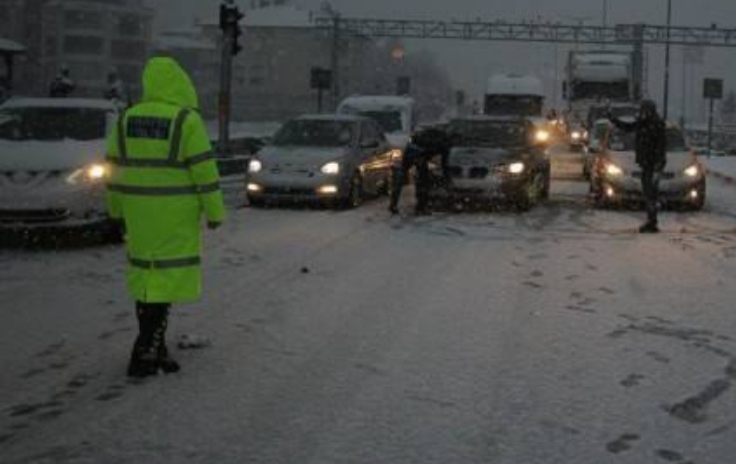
[649, 228]
[143, 359]
[167, 364]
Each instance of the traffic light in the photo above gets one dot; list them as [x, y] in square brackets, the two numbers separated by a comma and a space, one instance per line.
[237, 48]
[230, 17]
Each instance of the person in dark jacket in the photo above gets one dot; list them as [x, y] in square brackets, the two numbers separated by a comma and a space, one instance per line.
[424, 145]
[62, 86]
[651, 156]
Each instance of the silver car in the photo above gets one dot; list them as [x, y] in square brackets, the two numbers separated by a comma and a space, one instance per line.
[616, 178]
[332, 159]
[52, 169]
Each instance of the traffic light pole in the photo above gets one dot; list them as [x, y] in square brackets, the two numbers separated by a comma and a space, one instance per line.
[224, 109]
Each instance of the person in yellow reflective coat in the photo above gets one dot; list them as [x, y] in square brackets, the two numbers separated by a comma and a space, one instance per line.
[163, 181]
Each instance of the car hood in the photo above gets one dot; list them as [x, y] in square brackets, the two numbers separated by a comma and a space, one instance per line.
[676, 161]
[49, 156]
[485, 156]
[310, 157]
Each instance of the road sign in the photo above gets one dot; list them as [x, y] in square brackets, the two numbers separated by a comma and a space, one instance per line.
[403, 85]
[321, 79]
[713, 89]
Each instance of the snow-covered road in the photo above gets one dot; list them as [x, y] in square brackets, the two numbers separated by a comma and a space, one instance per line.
[559, 336]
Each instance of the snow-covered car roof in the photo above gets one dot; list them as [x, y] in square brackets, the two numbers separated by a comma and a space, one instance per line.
[489, 118]
[515, 84]
[8, 45]
[377, 102]
[91, 103]
[331, 117]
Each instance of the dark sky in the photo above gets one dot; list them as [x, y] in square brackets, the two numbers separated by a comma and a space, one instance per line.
[470, 63]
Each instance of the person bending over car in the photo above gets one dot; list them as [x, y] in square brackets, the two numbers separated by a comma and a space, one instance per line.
[423, 147]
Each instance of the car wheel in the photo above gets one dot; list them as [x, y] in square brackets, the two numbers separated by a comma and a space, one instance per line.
[523, 200]
[355, 195]
[547, 187]
[256, 202]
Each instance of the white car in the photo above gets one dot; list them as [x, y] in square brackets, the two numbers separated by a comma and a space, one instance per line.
[616, 178]
[52, 168]
[330, 159]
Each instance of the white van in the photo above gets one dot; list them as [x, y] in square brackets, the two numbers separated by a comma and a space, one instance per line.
[397, 115]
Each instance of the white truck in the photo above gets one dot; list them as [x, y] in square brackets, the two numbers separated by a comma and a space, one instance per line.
[396, 114]
[596, 79]
[518, 95]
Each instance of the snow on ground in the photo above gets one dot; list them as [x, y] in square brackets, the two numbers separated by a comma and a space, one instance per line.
[724, 165]
[554, 336]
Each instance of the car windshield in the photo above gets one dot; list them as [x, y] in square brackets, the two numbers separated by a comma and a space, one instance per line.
[502, 105]
[622, 141]
[390, 121]
[315, 133]
[52, 124]
[601, 112]
[676, 140]
[488, 133]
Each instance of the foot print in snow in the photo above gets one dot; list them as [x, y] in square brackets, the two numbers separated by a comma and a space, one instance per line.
[51, 349]
[659, 357]
[536, 274]
[572, 277]
[623, 443]
[632, 380]
[607, 291]
[581, 309]
[670, 456]
[694, 409]
[534, 285]
[113, 391]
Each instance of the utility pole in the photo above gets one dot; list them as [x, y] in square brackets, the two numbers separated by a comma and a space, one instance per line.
[230, 17]
[665, 111]
[335, 61]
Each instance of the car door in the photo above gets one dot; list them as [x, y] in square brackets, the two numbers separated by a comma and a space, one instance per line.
[370, 149]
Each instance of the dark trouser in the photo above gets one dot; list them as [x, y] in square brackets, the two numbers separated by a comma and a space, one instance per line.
[650, 190]
[423, 181]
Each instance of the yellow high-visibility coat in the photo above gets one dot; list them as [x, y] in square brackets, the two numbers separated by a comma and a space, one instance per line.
[163, 181]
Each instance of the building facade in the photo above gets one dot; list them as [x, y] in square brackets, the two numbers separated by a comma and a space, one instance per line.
[90, 37]
[271, 75]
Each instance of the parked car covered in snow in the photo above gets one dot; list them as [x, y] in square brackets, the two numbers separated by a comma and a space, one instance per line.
[616, 178]
[496, 158]
[335, 159]
[52, 168]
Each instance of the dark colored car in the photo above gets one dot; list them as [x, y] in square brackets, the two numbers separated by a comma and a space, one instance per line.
[496, 159]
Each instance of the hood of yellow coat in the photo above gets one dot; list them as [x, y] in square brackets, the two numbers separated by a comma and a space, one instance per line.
[166, 82]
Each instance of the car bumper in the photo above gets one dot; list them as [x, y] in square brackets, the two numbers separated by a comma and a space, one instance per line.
[53, 209]
[296, 188]
[670, 191]
[490, 189]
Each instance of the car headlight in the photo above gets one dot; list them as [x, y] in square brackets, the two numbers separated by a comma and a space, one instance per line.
[542, 136]
[255, 166]
[396, 155]
[332, 168]
[613, 170]
[576, 135]
[93, 173]
[516, 168]
[692, 171]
